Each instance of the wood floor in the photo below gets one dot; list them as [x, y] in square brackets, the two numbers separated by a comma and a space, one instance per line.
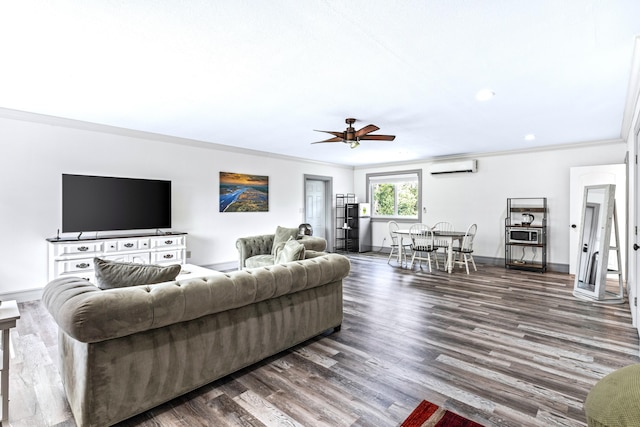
[502, 347]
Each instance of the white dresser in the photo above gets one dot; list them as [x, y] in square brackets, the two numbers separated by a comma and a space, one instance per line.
[72, 257]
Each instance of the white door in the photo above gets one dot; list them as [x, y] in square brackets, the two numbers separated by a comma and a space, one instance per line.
[314, 212]
[595, 175]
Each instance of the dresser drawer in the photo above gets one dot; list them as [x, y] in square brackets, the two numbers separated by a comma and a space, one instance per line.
[75, 266]
[167, 242]
[123, 245]
[78, 248]
[167, 257]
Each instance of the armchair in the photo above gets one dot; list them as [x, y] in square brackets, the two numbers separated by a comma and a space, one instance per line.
[259, 251]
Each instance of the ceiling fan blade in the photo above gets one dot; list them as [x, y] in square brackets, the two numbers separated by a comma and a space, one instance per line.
[337, 134]
[378, 137]
[352, 137]
[367, 129]
[336, 139]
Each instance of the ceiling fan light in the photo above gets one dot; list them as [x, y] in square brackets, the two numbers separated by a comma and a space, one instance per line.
[354, 144]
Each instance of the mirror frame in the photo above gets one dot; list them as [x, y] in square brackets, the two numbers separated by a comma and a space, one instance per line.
[596, 290]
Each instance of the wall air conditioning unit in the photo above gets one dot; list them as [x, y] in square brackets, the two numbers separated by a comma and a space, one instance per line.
[454, 167]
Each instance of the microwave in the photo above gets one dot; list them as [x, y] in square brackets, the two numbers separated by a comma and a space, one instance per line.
[524, 235]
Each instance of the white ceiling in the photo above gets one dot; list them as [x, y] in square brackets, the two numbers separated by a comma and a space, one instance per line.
[263, 74]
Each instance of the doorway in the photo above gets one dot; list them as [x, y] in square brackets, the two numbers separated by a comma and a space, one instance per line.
[318, 206]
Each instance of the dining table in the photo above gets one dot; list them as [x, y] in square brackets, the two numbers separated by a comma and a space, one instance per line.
[447, 236]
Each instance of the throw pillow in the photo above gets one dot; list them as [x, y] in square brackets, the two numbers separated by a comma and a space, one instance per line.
[292, 251]
[282, 235]
[113, 274]
[278, 248]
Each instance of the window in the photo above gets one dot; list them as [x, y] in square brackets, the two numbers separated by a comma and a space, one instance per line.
[395, 195]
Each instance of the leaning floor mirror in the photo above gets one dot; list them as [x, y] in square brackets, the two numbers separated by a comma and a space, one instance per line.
[596, 245]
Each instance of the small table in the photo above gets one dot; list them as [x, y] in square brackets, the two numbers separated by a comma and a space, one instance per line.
[9, 313]
[448, 236]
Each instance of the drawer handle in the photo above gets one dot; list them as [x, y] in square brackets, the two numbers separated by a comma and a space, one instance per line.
[168, 242]
[83, 265]
[83, 248]
[168, 256]
[128, 245]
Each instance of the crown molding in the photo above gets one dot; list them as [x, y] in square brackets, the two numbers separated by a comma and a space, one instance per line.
[466, 156]
[45, 119]
[114, 130]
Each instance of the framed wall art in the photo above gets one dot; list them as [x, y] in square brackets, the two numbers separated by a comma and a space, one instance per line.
[243, 192]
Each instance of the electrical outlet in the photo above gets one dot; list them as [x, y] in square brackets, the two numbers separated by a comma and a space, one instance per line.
[188, 254]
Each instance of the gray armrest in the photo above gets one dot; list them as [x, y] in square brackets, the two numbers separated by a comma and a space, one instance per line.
[310, 253]
[313, 243]
[253, 245]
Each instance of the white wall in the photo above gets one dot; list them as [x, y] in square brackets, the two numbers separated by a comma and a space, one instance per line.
[36, 154]
[465, 198]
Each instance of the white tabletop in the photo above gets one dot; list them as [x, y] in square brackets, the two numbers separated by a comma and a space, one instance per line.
[9, 313]
[191, 271]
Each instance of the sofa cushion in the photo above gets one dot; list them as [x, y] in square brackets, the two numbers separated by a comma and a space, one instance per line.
[292, 251]
[259, 261]
[282, 235]
[113, 274]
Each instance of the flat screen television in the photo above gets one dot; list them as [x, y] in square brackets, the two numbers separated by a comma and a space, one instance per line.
[102, 203]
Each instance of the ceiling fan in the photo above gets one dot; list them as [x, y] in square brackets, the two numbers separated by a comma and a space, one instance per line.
[353, 137]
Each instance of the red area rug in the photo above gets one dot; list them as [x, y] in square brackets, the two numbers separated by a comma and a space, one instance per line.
[428, 414]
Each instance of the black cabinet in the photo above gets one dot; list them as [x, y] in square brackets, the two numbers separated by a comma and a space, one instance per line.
[353, 227]
[343, 230]
[352, 230]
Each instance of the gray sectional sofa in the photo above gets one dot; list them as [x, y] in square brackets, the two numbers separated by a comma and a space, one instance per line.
[126, 350]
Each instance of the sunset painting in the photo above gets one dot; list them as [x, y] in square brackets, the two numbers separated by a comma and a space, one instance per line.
[243, 193]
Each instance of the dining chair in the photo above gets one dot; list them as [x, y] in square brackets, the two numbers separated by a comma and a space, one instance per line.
[395, 243]
[422, 244]
[463, 253]
[442, 245]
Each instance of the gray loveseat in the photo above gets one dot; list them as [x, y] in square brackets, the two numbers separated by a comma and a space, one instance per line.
[126, 350]
[260, 251]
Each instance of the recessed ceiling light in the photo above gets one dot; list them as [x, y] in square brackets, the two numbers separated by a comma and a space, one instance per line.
[529, 137]
[485, 95]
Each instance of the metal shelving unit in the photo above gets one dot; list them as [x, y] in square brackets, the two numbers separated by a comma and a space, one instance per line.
[525, 234]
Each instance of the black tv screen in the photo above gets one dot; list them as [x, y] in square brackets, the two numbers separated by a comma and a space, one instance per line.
[101, 203]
